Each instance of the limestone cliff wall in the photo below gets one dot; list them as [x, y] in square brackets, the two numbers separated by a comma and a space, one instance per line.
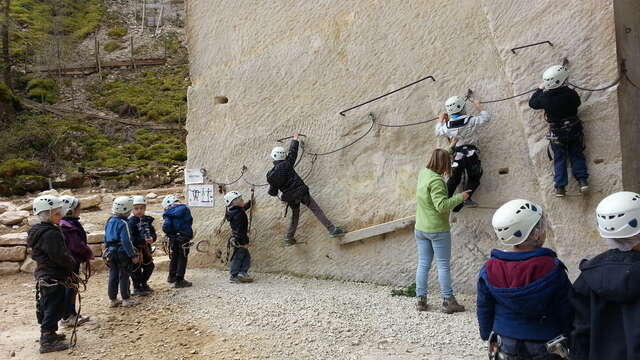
[289, 66]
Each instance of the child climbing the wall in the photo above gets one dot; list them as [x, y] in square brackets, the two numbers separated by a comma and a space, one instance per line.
[239, 222]
[466, 159]
[284, 178]
[560, 105]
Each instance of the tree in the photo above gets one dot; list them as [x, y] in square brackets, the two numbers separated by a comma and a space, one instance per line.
[6, 57]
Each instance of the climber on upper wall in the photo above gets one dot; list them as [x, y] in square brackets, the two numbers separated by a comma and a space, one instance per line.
[560, 104]
[456, 124]
[283, 177]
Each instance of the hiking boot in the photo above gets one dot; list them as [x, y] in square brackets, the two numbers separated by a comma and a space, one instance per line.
[59, 337]
[234, 280]
[245, 278]
[470, 204]
[337, 232]
[422, 305]
[584, 185]
[450, 306]
[560, 192]
[289, 242]
[146, 287]
[182, 284]
[115, 303]
[71, 321]
[49, 343]
[171, 279]
[139, 292]
[130, 302]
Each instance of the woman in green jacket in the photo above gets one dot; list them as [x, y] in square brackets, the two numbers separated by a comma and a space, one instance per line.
[432, 230]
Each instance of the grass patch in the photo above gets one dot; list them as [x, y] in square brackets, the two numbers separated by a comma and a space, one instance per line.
[409, 291]
[118, 32]
[43, 90]
[111, 46]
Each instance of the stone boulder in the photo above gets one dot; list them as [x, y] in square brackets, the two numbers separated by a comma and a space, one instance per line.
[108, 198]
[28, 266]
[8, 268]
[52, 192]
[161, 263]
[14, 239]
[6, 206]
[91, 201]
[28, 206]
[96, 237]
[96, 249]
[151, 195]
[13, 253]
[13, 217]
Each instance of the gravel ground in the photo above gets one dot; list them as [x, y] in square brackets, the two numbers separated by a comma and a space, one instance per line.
[283, 317]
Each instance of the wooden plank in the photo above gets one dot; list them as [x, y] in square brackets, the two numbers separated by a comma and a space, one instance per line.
[377, 230]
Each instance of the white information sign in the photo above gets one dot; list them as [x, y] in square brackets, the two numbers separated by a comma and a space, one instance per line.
[200, 195]
[193, 176]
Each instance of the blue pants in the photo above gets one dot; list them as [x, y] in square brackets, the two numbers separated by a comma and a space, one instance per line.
[438, 244]
[119, 275]
[51, 307]
[571, 150]
[240, 261]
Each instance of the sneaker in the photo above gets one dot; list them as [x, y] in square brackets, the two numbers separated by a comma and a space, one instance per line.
[146, 288]
[49, 343]
[139, 292]
[171, 279]
[289, 242]
[234, 280]
[71, 321]
[450, 306]
[245, 278]
[115, 303]
[182, 284]
[560, 192]
[130, 302]
[59, 337]
[470, 204]
[337, 232]
[422, 305]
[584, 185]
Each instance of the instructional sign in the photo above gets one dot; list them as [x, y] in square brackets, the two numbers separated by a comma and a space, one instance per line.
[200, 195]
[193, 176]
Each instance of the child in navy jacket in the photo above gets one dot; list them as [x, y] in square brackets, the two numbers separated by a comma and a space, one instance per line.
[177, 225]
[239, 222]
[143, 234]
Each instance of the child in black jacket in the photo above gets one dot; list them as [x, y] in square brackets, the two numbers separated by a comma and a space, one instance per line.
[143, 234]
[236, 215]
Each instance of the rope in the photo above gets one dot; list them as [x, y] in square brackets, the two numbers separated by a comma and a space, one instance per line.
[242, 172]
[373, 122]
[508, 98]
[405, 125]
[602, 88]
[626, 76]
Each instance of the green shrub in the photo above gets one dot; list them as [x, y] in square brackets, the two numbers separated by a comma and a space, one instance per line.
[117, 32]
[42, 90]
[19, 166]
[111, 46]
[409, 291]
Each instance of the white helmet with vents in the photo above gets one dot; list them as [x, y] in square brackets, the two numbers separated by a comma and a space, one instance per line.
[69, 203]
[122, 205]
[514, 221]
[230, 196]
[619, 215]
[46, 202]
[139, 200]
[168, 201]
[555, 76]
[278, 153]
[454, 104]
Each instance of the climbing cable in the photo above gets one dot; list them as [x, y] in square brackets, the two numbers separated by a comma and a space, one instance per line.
[410, 124]
[373, 122]
[602, 88]
[242, 172]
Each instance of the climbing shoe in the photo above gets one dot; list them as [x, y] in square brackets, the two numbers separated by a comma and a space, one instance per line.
[49, 343]
[245, 278]
[584, 185]
[450, 305]
[71, 321]
[421, 304]
[182, 284]
[289, 242]
[146, 288]
[337, 232]
[171, 279]
[560, 192]
[115, 303]
[129, 302]
[470, 204]
[59, 337]
[139, 292]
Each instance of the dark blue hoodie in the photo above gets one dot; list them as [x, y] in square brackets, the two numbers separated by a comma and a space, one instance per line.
[177, 219]
[141, 228]
[537, 309]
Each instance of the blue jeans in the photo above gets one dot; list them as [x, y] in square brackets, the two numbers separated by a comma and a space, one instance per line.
[240, 262]
[119, 274]
[572, 150]
[438, 244]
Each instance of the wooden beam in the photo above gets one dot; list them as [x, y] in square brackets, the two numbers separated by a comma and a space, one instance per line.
[377, 230]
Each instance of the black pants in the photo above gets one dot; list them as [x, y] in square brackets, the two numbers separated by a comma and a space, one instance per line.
[70, 298]
[178, 264]
[472, 167]
[142, 274]
[525, 350]
[309, 202]
[51, 307]
[119, 272]
[240, 261]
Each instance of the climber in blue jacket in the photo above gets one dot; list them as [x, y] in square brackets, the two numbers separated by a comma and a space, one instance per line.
[177, 225]
[523, 294]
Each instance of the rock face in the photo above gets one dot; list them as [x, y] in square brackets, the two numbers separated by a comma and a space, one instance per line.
[14, 239]
[291, 68]
[13, 217]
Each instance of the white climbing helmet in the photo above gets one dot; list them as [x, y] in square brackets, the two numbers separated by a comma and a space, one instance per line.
[555, 76]
[68, 203]
[122, 205]
[619, 215]
[278, 153]
[46, 202]
[230, 196]
[168, 201]
[139, 200]
[454, 104]
[514, 221]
